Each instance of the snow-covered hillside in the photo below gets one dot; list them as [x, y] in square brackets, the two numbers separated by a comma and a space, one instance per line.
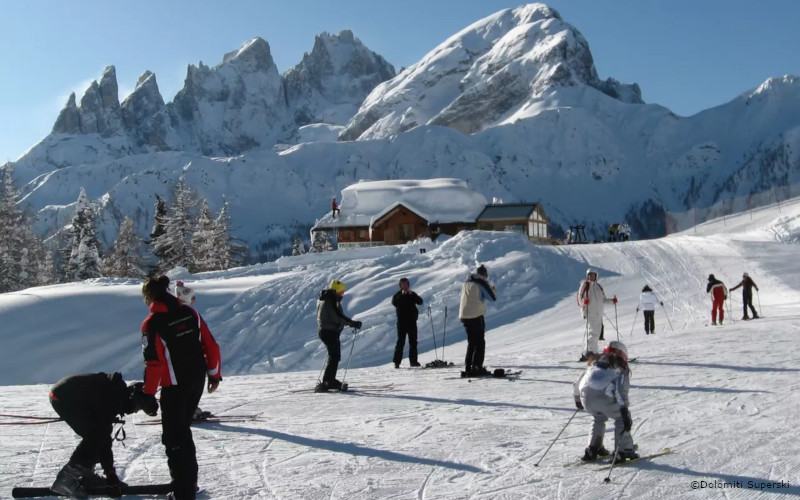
[722, 398]
[511, 104]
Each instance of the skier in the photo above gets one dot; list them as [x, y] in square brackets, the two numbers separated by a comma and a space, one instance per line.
[330, 322]
[89, 404]
[475, 293]
[647, 302]
[186, 296]
[747, 285]
[334, 208]
[179, 351]
[719, 294]
[592, 299]
[602, 390]
[612, 232]
[405, 303]
[624, 232]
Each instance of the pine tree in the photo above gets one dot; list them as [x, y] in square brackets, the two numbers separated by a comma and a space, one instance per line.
[204, 252]
[124, 260]
[297, 247]
[227, 251]
[84, 250]
[159, 217]
[172, 247]
[321, 241]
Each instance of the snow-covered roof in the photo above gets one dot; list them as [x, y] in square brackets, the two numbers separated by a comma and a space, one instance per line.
[507, 211]
[436, 200]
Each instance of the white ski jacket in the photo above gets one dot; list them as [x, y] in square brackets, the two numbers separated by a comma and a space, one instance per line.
[601, 382]
[648, 301]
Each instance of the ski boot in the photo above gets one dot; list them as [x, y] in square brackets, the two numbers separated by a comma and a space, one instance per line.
[321, 387]
[92, 480]
[68, 481]
[201, 415]
[415, 364]
[624, 455]
[592, 453]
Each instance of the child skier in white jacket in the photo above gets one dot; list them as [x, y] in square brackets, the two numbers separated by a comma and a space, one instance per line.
[602, 390]
[647, 302]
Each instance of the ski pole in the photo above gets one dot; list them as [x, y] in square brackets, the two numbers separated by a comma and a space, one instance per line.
[586, 332]
[730, 310]
[615, 319]
[556, 439]
[344, 376]
[634, 321]
[444, 333]
[324, 362]
[433, 332]
[759, 303]
[667, 316]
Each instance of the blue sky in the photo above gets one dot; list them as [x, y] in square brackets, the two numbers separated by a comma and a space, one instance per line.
[685, 55]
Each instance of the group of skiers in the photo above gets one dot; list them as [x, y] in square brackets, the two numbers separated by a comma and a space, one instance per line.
[719, 294]
[619, 232]
[181, 357]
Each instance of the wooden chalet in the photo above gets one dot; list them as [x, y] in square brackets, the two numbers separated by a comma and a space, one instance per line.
[526, 218]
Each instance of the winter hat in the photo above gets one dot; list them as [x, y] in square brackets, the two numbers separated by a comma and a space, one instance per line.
[618, 348]
[482, 270]
[337, 286]
[184, 293]
[403, 280]
[647, 288]
[711, 277]
[746, 275]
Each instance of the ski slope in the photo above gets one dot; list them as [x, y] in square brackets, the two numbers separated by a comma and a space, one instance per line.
[725, 398]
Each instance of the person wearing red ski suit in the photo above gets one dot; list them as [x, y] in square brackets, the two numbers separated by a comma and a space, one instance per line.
[719, 294]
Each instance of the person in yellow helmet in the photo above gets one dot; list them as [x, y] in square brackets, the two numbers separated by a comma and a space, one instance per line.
[331, 320]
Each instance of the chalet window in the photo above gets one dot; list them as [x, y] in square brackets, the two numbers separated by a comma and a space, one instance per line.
[362, 233]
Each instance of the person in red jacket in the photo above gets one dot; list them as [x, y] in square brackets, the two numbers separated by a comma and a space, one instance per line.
[719, 294]
[334, 208]
[179, 351]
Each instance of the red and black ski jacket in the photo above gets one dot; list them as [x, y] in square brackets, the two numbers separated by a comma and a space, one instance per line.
[717, 290]
[177, 346]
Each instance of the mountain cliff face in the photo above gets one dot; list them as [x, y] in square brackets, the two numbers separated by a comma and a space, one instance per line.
[512, 104]
[483, 74]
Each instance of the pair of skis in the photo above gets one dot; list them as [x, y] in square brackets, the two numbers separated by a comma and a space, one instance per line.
[105, 491]
[605, 462]
[210, 419]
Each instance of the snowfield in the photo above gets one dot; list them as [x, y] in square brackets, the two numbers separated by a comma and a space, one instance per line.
[725, 399]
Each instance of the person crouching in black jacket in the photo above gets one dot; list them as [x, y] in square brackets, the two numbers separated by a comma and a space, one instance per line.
[89, 404]
[330, 323]
[405, 303]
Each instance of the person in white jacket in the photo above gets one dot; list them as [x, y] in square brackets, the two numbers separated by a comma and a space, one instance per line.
[592, 299]
[647, 303]
[602, 390]
[475, 293]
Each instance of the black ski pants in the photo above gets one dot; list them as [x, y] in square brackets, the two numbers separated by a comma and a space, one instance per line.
[406, 328]
[747, 301]
[178, 403]
[476, 343]
[331, 340]
[649, 322]
[95, 433]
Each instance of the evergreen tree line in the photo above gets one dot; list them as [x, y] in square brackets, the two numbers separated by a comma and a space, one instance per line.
[183, 235]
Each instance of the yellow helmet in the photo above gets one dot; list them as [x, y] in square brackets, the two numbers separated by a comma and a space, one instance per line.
[337, 286]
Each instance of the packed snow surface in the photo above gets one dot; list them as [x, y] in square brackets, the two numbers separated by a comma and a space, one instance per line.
[725, 399]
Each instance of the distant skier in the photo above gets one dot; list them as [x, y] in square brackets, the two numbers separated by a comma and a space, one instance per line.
[405, 303]
[719, 294]
[624, 232]
[330, 322]
[334, 208]
[647, 302]
[475, 293]
[747, 285]
[612, 232]
[602, 390]
[592, 300]
[89, 404]
[179, 351]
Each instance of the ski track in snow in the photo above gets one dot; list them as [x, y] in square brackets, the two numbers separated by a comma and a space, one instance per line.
[726, 399]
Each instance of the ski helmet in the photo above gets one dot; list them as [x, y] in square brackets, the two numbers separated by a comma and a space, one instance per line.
[337, 286]
[746, 275]
[618, 348]
[591, 271]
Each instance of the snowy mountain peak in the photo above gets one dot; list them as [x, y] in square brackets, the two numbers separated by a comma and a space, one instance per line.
[331, 81]
[68, 121]
[253, 56]
[483, 74]
[788, 82]
[143, 103]
[109, 90]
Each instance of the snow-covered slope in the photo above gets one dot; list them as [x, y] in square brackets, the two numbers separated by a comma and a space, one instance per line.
[723, 398]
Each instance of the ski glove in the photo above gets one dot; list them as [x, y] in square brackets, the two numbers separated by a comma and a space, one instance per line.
[586, 302]
[148, 403]
[662, 304]
[578, 404]
[213, 383]
[614, 300]
[356, 324]
[627, 422]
